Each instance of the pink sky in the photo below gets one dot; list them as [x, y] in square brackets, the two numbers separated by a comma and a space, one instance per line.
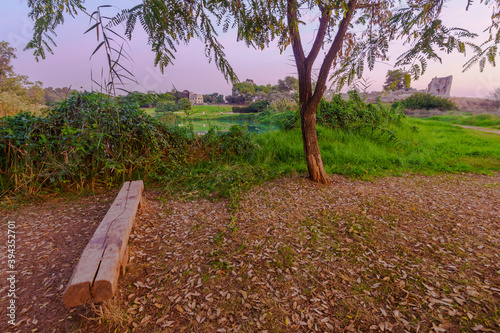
[70, 64]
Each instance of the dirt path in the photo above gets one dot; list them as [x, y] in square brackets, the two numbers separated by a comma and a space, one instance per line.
[413, 253]
[482, 129]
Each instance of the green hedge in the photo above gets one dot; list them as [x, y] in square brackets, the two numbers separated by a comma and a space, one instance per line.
[427, 102]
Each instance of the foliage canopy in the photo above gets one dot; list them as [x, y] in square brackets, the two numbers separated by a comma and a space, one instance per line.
[397, 79]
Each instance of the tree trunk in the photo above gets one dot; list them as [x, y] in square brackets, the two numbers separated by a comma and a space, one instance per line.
[311, 148]
[309, 99]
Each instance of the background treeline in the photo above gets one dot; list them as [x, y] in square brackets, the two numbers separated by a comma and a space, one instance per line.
[247, 92]
[18, 93]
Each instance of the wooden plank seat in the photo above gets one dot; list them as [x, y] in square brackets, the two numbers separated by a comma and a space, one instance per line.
[95, 277]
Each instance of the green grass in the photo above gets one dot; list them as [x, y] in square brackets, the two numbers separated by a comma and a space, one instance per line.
[434, 148]
[482, 120]
[223, 164]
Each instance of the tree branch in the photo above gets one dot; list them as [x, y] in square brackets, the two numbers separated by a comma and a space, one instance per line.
[332, 52]
[293, 28]
[323, 24]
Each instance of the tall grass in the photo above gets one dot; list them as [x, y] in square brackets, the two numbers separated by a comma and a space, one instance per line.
[426, 147]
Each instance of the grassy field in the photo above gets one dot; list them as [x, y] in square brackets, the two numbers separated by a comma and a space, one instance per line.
[420, 146]
[482, 120]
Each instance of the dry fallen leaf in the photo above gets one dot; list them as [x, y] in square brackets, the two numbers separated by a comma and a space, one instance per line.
[438, 328]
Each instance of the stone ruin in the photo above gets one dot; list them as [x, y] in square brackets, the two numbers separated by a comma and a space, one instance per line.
[439, 86]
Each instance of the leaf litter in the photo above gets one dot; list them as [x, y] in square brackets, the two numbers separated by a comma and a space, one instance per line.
[408, 254]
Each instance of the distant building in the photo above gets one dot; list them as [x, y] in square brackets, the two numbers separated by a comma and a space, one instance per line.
[195, 98]
[439, 86]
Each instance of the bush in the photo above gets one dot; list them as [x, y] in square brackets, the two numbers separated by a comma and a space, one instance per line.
[143, 100]
[287, 120]
[354, 113]
[252, 108]
[90, 140]
[428, 102]
[184, 104]
[11, 103]
[167, 106]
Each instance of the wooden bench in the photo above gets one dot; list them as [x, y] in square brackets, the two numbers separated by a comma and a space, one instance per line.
[95, 277]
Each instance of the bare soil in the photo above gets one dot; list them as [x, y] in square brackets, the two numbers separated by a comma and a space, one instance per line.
[482, 129]
[477, 105]
[408, 254]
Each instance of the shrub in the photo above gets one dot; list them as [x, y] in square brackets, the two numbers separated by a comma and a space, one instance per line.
[11, 103]
[428, 102]
[184, 104]
[90, 140]
[287, 120]
[143, 100]
[283, 105]
[252, 108]
[354, 113]
[167, 106]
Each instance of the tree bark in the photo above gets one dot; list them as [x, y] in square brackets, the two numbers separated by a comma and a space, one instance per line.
[314, 162]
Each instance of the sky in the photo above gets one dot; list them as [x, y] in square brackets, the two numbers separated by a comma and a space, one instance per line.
[71, 64]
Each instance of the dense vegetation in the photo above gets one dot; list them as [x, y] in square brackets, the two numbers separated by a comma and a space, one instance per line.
[18, 93]
[396, 79]
[248, 91]
[172, 106]
[427, 102]
[91, 140]
[355, 113]
[255, 107]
